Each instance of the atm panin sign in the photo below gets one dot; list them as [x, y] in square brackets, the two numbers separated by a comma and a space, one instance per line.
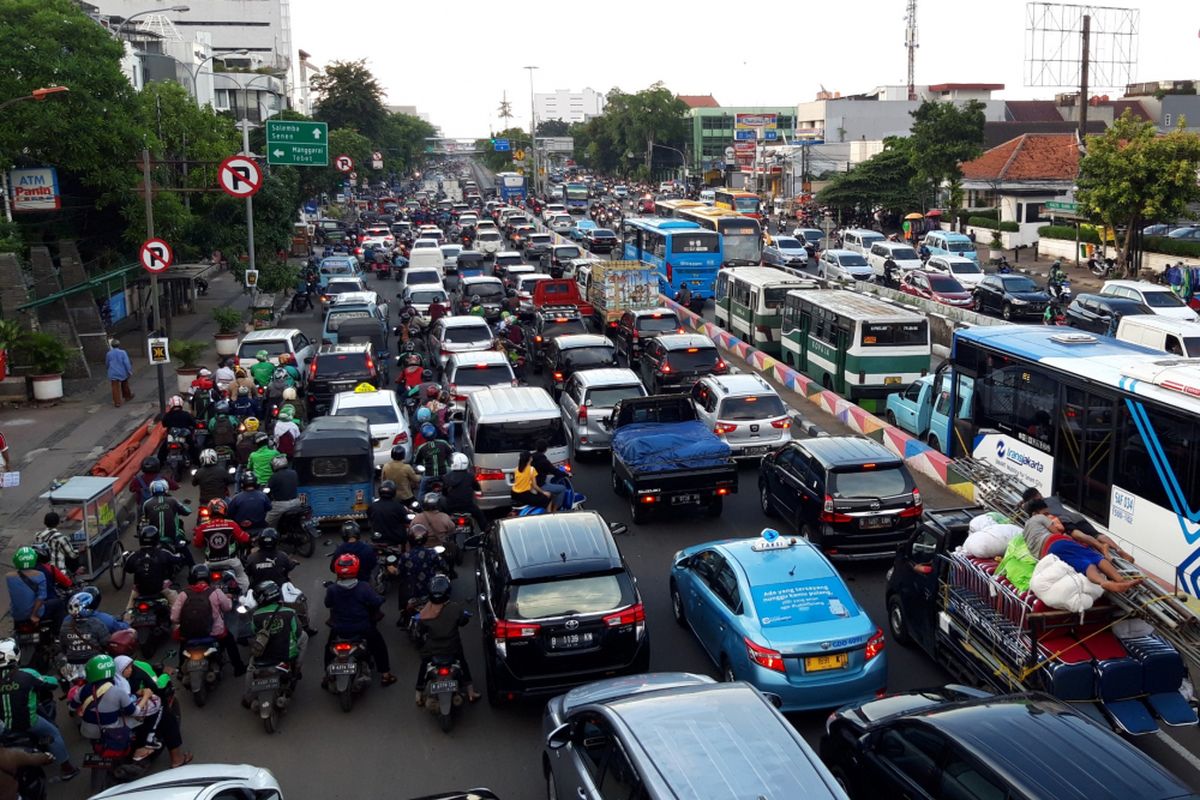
[34, 189]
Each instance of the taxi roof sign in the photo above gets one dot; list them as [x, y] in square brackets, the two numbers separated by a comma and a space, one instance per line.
[364, 388]
[771, 540]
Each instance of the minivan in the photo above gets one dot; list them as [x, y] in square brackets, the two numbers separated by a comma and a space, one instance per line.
[499, 425]
[1176, 336]
[946, 243]
[588, 399]
[860, 240]
[901, 253]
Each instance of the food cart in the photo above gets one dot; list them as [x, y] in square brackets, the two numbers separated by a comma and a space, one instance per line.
[262, 310]
[91, 504]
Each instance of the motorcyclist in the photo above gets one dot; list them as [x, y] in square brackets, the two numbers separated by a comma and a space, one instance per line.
[222, 539]
[299, 409]
[153, 693]
[284, 487]
[246, 405]
[420, 563]
[259, 461]
[225, 375]
[223, 425]
[31, 597]
[438, 623]
[212, 478]
[104, 705]
[85, 631]
[354, 608]
[387, 516]
[286, 638]
[151, 471]
[353, 544]
[476, 308]
[60, 583]
[191, 623]
[890, 271]
[266, 563]
[248, 430]
[437, 310]
[459, 490]
[1057, 273]
[434, 455]
[165, 512]
[287, 362]
[401, 473]
[19, 690]
[263, 369]
[178, 418]
[439, 524]
[62, 550]
[152, 567]
[204, 393]
[286, 431]
[242, 378]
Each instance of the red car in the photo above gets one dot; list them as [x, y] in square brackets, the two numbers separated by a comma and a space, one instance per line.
[646, 205]
[936, 286]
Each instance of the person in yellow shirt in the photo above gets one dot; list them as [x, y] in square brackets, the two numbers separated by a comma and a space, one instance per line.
[525, 491]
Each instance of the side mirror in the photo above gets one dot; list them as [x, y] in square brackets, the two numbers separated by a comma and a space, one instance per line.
[618, 528]
[399, 295]
[559, 738]
[421, 467]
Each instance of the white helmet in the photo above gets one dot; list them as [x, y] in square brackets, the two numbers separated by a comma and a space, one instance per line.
[289, 393]
[208, 456]
[175, 402]
[10, 654]
[459, 462]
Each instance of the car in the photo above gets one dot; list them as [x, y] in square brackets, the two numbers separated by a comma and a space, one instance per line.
[636, 327]
[966, 271]
[199, 782]
[901, 254]
[421, 297]
[490, 291]
[844, 265]
[587, 400]
[848, 495]
[939, 287]
[1099, 313]
[425, 242]
[488, 241]
[773, 611]
[547, 323]
[745, 411]
[672, 735]
[600, 240]
[1013, 296]
[960, 742]
[1161, 300]
[785, 251]
[389, 423]
[673, 362]
[450, 255]
[339, 368]
[522, 283]
[339, 286]
[620, 191]
[458, 334]
[536, 245]
[519, 233]
[580, 228]
[552, 210]
[350, 306]
[566, 355]
[561, 223]
[505, 259]
[431, 232]
[470, 262]
[471, 372]
[276, 341]
[812, 236]
[560, 254]
[1187, 234]
[558, 605]
[422, 278]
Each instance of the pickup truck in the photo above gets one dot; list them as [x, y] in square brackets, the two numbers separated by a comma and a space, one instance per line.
[560, 292]
[614, 287]
[919, 411]
[664, 457]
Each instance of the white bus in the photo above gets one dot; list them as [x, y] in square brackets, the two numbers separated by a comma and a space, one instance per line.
[749, 303]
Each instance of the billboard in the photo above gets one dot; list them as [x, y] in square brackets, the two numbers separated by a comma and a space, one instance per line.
[35, 189]
[743, 122]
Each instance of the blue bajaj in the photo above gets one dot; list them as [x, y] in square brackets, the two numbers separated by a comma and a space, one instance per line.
[336, 465]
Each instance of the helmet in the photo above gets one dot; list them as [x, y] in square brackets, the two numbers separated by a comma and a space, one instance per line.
[243, 391]
[80, 602]
[279, 462]
[350, 530]
[100, 668]
[459, 462]
[198, 573]
[289, 393]
[418, 533]
[10, 653]
[262, 355]
[261, 439]
[398, 453]
[204, 373]
[431, 501]
[208, 456]
[285, 358]
[439, 589]
[25, 558]
[267, 592]
[250, 424]
[444, 397]
[427, 375]
[148, 535]
[240, 372]
[151, 464]
[42, 552]
[223, 407]
[424, 414]
[159, 487]
[432, 392]
[284, 416]
[289, 409]
[175, 402]
[387, 490]
[505, 315]
[409, 347]
[268, 539]
[346, 566]
[475, 299]
[428, 431]
[217, 507]
[249, 481]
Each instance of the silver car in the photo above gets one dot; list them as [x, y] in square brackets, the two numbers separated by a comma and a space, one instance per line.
[499, 425]
[459, 334]
[588, 399]
[467, 373]
[745, 411]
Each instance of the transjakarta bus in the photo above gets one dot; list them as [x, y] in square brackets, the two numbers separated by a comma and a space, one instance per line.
[1110, 428]
[741, 237]
[746, 203]
[510, 186]
[855, 344]
[749, 304]
[575, 198]
[678, 250]
[672, 209]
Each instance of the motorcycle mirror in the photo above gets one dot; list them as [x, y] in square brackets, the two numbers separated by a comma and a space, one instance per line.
[243, 610]
[266, 490]
[618, 528]
[421, 470]
[193, 472]
[411, 517]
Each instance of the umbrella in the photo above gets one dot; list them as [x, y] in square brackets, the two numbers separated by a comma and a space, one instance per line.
[914, 215]
[933, 212]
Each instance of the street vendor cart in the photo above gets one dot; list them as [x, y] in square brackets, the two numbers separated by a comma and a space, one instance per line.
[89, 509]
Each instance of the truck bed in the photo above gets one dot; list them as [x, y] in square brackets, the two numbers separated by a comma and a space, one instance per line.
[669, 458]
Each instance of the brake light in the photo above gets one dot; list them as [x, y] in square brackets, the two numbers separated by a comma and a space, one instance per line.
[538, 338]
[443, 671]
[764, 656]
[723, 428]
[722, 491]
[516, 630]
[648, 500]
[875, 645]
[312, 369]
[484, 474]
[828, 514]
[693, 350]
[203, 513]
[582, 417]
[400, 438]
[781, 424]
[143, 606]
[721, 366]
[664, 368]
[635, 336]
[343, 648]
[558, 376]
[628, 616]
[216, 576]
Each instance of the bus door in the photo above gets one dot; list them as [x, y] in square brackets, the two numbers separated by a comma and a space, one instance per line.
[843, 340]
[1084, 450]
[721, 300]
[805, 331]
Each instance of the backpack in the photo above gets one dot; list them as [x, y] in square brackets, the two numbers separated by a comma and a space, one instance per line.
[196, 617]
[144, 571]
[223, 430]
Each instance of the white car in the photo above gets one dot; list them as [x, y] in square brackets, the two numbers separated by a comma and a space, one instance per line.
[422, 278]
[552, 210]
[276, 341]
[431, 232]
[199, 782]
[900, 253]
[467, 373]
[450, 254]
[461, 333]
[489, 242]
[561, 223]
[967, 271]
[389, 425]
[843, 265]
[1160, 299]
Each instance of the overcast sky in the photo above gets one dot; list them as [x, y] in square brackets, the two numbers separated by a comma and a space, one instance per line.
[454, 60]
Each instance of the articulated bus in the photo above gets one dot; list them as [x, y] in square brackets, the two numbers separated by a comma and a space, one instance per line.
[677, 249]
[738, 202]
[674, 208]
[741, 237]
[859, 346]
[749, 304]
[510, 186]
[1110, 428]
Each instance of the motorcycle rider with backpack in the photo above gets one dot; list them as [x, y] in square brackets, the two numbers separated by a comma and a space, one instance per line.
[259, 461]
[199, 613]
[221, 540]
[266, 563]
[460, 487]
[438, 622]
[19, 705]
[263, 370]
[223, 425]
[151, 472]
[278, 635]
[166, 513]
[152, 567]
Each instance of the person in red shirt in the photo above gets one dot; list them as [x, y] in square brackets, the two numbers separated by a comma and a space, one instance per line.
[222, 540]
[4, 459]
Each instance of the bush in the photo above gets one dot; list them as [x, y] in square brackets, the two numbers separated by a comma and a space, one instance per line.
[1172, 247]
[1008, 226]
[229, 320]
[990, 213]
[987, 223]
[1067, 233]
[277, 276]
[46, 354]
[189, 352]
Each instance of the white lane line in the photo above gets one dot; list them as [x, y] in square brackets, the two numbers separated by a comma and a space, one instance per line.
[1184, 753]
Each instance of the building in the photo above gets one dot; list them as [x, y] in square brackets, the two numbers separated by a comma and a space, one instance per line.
[568, 106]
[885, 111]
[1167, 102]
[714, 135]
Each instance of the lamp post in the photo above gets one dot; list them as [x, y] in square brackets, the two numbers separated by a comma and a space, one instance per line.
[533, 129]
[195, 72]
[39, 95]
[682, 158]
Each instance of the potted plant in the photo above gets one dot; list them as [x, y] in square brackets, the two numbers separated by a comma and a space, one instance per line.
[996, 245]
[11, 336]
[229, 328]
[188, 353]
[47, 356]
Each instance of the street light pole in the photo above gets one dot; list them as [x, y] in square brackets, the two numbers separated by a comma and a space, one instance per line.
[533, 129]
[245, 126]
[38, 95]
[195, 72]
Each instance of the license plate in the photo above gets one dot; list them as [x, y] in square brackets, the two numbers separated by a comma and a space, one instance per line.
[875, 522]
[570, 641]
[437, 687]
[27, 638]
[685, 499]
[265, 684]
[823, 663]
[755, 451]
[97, 761]
[891, 380]
[342, 669]
[148, 618]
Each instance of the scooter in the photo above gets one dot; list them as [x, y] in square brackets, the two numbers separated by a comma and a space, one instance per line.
[443, 692]
[177, 452]
[571, 499]
[298, 530]
[349, 670]
[202, 658]
[150, 618]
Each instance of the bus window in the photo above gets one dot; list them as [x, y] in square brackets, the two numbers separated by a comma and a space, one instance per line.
[722, 290]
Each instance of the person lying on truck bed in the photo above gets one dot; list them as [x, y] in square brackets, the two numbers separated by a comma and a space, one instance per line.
[1046, 535]
[1071, 520]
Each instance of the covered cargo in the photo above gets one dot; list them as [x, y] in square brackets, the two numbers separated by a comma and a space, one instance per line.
[651, 447]
[618, 286]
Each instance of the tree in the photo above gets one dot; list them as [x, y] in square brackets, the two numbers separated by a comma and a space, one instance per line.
[553, 127]
[887, 180]
[349, 96]
[1131, 175]
[502, 160]
[402, 141]
[943, 136]
[628, 130]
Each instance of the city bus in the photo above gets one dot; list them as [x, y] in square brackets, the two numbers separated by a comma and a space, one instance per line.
[510, 187]
[749, 304]
[859, 346]
[741, 237]
[575, 197]
[671, 209]
[678, 250]
[738, 202]
[1110, 428]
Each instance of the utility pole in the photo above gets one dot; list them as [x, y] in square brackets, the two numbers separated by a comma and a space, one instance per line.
[505, 109]
[154, 321]
[245, 126]
[1084, 60]
[533, 131]
[910, 42]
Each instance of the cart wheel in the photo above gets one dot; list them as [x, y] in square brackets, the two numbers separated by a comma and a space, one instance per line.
[116, 566]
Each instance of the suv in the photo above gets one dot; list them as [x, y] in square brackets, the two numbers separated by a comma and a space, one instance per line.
[588, 399]
[339, 368]
[547, 323]
[636, 327]
[536, 245]
[566, 355]
[675, 361]
[848, 495]
[745, 411]
[1102, 313]
[557, 604]
[276, 341]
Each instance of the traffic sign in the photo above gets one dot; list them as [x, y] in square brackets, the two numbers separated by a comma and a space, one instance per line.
[353, 177]
[729, 151]
[344, 163]
[519, 155]
[377, 156]
[501, 145]
[156, 255]
[744, 135]
[240, 176]
[297, 144]
[159, 350]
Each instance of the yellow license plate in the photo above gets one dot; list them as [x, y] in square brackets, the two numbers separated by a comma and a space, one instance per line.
[822, 663]
[891, 380]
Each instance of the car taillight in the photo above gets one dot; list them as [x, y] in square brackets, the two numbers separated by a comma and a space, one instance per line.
[312, 370]
[764, 656]
[558, 376]
[721, 366]
[664, 368]
[400, 438]
[828, 514]
[782, 424]
[343, 648]
[516, 630]
[628, 616]
[874, 645]
[722, 428]
[484, 474]
[582, 417]
[143, 606]
[635, 335]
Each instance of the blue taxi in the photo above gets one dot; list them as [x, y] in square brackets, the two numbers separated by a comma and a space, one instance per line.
[774, 612]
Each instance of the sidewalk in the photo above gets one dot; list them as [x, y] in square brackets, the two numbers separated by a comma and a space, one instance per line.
[1082, 279]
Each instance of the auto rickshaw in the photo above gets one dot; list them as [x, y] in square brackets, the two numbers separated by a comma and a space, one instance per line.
[336, 465]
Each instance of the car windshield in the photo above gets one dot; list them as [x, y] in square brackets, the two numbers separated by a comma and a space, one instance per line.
[466, 334]
[607, 396]
[693, 358]
[482, 375]
[337, 365]
[426, 296]
[504, 261]
[658, 323]
[486, 291]
[488, 236]
[579, 357]
[336, 318]
[944, 283]
[417, 278]
[1156, 299]
[774, 296]
[895, 334]
[788, 243]
[249, 349]
[376, 415]
[558, 328]
[337, 287]
[1018, 283]
[603, 233]
[871, 483]
[851, 260]
[586, 595]
[515, 436]
[904, 254]
[966, 268]
[755, 407]
[564, 253]
[337, 470]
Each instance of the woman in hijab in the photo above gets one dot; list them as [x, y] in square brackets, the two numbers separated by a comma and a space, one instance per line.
[154, 699]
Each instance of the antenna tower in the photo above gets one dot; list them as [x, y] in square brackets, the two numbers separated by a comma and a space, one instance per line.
[505, 109]
[910, 42]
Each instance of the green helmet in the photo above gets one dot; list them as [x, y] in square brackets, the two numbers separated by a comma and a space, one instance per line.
[285, 416]
[287, 408]
[100, 668]
[262, 355]
[25, 558]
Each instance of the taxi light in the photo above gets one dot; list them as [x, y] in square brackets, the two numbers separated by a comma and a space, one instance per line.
[722, 428]
[782, 424]
[764, 656]
[343, 648]
[516, 630]
[875, 644]
[628, 616]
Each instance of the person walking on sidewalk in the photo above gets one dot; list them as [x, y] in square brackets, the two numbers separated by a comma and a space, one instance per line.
[120, 370]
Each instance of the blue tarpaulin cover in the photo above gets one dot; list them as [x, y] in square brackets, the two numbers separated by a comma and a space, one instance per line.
[661, 447]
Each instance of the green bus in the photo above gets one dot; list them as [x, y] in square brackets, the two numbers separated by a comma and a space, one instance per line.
[749, 303]
[859, 346]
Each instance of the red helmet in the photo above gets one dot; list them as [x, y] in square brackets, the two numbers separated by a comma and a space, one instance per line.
[432, 392]
[217, 508]
[346, 566]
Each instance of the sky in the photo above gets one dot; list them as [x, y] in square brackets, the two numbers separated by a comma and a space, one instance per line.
[454, 62]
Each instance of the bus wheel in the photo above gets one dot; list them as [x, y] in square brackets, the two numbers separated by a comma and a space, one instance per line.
[827, 381]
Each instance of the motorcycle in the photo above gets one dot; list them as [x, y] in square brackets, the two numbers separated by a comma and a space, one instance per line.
[177, 452]
[202, 658]
[1060, 290]
[39, 645]
[571, 500]
[443, 692]
[298, 530]
[31, 780]
[349, 670]
[1102, 268]
[150, 618]
[111, 762]
[271, 689]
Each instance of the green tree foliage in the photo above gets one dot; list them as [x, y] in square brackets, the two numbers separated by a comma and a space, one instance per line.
[553, 127]
[402, 140]
[886, 180]
[622, 139]
[502, 161]
[943, 136]
[1131, 175]
[343, 141]
[349, 96]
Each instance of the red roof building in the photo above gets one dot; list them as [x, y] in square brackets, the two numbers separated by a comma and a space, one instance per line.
[699, 100]
[1031, 157]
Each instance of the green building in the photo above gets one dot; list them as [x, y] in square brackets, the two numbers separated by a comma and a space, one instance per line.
[713, 132]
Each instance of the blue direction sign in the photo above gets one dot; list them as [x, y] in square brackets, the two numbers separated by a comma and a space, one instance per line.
[770, 134]
[501, 145]
[744, 135]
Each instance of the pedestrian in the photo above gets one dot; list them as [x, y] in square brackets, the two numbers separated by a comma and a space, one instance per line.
[120, 370]
[684, 297]
[4, 458]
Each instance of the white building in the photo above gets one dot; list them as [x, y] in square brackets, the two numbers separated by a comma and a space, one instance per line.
[568, 106]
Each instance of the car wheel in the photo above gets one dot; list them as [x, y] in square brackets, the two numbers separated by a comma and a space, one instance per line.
[677, 606]
[897, 624]
[1006, 312]
[977, 304]
[933, 442]
[715, 507]
[764, 500]
[891, 418]
[807, 532]
[617, 488]
[493, 693]
[843, 780]
[638, 511]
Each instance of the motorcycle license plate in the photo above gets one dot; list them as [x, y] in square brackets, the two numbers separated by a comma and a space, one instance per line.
[149, 618]
[27, 638]
[685, 499]
[571, 641]
[265, 684]
[342, 669]
[97, 761]
[438, 687]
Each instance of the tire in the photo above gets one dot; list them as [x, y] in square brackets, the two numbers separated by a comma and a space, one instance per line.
[806, 531]
[200, 696]
[271, 721]
[446, 722]
[896, 622]
[617, 487]
[764, 501]
[1006, 312]
[677, 609]
[116, 568]
[891, 418]
[715, 507]
[638, 511]
[827, 382]
[346, 700]
[843, 780]
[490, 689]
[307, 546]
[933, 442]
[99, 780]
[977, 305]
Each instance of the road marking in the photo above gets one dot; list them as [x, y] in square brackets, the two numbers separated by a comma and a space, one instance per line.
[1184, 753]
[17, 423]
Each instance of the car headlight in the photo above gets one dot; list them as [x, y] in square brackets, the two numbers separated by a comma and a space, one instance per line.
[1016, 301]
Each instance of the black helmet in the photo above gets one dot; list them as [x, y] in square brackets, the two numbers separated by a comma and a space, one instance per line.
[267, 592]
[410, 347]
[198, 573]
[249, 481]
[398, 453]
[148, 535]
[268, 539]
[151, 464]
[427, 375]
[260, 439]
[387, 490]
[350, 530]
[42, 552]
[439, 589]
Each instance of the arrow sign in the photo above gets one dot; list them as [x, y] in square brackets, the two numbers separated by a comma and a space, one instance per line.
[344, 163]
[316, 134]
[156, 255]
[298, 144]
[239, 176]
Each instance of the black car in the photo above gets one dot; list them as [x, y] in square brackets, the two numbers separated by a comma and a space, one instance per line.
[1101, 313]
[1012, 296]
[558, 605]
[566, 355]
[599, 240]
[849, 495]
[339, 368]
[547, 323]
[960, 742]
[635, 328]
[673, 362]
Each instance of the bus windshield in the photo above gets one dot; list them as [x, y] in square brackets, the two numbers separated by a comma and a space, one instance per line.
[746, 205]
[741, 247]
[695, 242]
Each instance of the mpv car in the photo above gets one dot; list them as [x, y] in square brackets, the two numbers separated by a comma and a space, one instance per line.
[458, 334]
[636, 327]
[557, 604]
[588, 398]
[1102, 313]
[467, 373]
[566, 355]
[1014, 296]
[276, 341]
[844, 265]
[745, 411]
[499, 425]
[672, 363]
[339, 368]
